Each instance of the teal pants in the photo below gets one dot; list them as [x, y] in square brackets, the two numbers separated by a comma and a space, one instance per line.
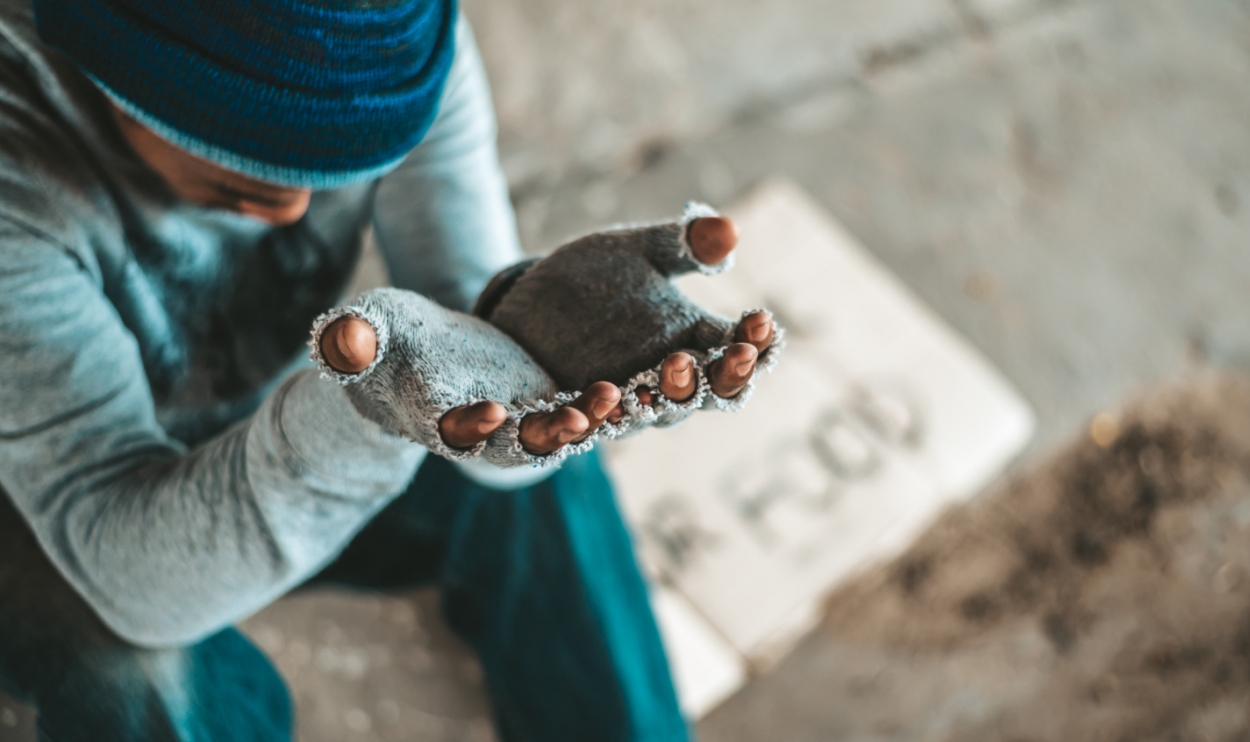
[541, 582]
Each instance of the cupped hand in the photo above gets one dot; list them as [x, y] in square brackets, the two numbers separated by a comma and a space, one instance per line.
[349, 345]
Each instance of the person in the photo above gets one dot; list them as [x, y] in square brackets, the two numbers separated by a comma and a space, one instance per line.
[184, 188]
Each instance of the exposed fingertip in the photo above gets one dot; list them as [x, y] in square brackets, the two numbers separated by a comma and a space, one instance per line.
[712, 238]
[760, 332]
[677, 362]
[681, 361]
[598, 400]
[487, 426]
[604, 390]
[358, 342]
[756, 329]
[465, 427]
[732, 371]
[570, 425]
[349, 345]
[740, 353]
[571, 417]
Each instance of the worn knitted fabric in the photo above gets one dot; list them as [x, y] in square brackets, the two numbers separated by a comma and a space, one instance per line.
[600, 308]
[310, 93]
[604, 307]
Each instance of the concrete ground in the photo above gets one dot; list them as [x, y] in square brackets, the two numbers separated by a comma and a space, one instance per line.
[1066, 182]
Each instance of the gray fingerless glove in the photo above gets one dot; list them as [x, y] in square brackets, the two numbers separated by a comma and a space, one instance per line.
[604, 306]
[431, 359]
[597, 309]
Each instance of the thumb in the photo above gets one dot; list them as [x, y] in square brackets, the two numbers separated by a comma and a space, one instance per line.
[712, 238]
[349, 345]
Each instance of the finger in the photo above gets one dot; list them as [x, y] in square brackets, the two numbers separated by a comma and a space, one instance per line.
[597, 403]
[349, 345]
[617, 414]
[677, 379]
[644, 395]
[729, 373]
[467, 426]
[757, 329]
[712, 238]
[544, 432]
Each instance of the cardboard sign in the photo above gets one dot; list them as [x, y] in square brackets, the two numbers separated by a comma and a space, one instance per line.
[876, 417]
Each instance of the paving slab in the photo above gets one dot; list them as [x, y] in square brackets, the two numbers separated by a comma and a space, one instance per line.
[374, 667]
[595, 85]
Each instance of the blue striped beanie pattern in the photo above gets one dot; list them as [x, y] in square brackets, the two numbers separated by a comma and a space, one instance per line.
[307, 93]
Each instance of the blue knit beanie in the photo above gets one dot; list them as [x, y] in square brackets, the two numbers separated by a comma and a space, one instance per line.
[308, 93]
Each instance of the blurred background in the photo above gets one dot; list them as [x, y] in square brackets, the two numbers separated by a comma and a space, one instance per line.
[1062, 181]
[1067, 184]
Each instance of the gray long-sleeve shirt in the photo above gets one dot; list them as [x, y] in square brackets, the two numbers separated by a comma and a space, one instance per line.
[156, 429]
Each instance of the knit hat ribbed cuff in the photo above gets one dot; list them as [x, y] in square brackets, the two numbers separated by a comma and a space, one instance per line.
[291, 177]
[293, 92]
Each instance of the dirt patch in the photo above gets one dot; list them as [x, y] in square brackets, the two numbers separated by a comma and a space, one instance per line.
[1102, 594]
